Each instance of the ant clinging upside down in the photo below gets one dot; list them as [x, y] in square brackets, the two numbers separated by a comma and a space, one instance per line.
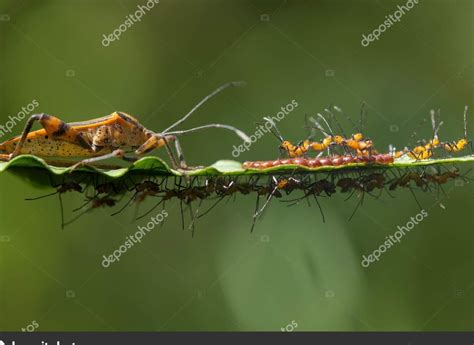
[103, 138]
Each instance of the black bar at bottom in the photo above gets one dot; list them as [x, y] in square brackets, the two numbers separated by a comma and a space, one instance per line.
[323, 338]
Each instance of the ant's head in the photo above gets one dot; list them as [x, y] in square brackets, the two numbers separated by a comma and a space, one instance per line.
[282, 183]
[285, 145]
[462, 143]
[368, 144]
[338, 139]
[358, 136]
[328, 141]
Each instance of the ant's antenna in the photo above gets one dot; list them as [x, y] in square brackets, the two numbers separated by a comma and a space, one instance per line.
[433, 123]
[327, 124]
[439, 115]
[465, 122]
[318, 126]
[275, 131]
[337, 121]
[276, 135]
[312, 133]
[391, 149]
[415, 132]
[362, 116]
[348, 117]
[204, 100]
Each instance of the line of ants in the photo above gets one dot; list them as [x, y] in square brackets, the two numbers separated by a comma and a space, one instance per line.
[313, 186]
[355, 148]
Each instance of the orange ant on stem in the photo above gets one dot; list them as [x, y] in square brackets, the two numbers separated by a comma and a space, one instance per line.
[355, 143]
[426, 149]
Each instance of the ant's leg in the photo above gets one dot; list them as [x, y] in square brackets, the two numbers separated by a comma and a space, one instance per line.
[282, 152]
[55, 128]
[415, 156]
[115, 154]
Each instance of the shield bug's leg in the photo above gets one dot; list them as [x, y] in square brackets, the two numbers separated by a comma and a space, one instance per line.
[171, 154]
[26, 130]
[157, 141]
[115, 154]
[179, 151]
[55, 128]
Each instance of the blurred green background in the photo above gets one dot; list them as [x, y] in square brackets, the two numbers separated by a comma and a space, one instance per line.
[293, 267]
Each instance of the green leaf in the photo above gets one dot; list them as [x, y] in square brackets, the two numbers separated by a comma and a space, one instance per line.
[36, 170]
